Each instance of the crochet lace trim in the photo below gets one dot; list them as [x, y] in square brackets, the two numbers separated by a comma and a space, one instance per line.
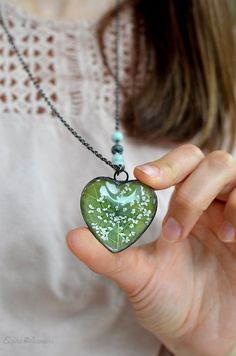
[65, 57]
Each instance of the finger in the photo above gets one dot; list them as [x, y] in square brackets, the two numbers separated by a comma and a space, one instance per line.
[196, 194]
[123, 267]
[227, 226]
[171, 168]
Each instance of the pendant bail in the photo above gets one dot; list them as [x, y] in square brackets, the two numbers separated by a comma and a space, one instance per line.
[122, 170]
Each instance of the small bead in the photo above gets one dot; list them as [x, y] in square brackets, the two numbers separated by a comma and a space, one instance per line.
[117, 149]
[117, 136]
[118, 159]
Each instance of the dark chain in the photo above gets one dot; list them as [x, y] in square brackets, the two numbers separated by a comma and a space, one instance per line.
[52, 107]
[117, 92]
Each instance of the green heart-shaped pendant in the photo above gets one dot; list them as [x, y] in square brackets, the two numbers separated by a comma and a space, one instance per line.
[117, 212]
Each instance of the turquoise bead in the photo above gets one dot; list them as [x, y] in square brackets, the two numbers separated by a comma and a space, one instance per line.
[117, 136]
[118, 159]
[117, 148]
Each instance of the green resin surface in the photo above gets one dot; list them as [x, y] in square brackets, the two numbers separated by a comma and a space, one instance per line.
[117, 212]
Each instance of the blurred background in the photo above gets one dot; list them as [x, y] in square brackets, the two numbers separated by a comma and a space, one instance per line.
[232, 4]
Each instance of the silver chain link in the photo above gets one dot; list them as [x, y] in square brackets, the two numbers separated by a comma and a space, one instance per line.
[36, 84]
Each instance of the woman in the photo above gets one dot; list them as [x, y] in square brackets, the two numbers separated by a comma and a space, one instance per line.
[176, 286]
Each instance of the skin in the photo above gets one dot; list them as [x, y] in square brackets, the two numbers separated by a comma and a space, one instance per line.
[182, 290]
[65, 9]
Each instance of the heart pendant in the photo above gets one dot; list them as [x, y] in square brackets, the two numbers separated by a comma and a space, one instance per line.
[117, 212]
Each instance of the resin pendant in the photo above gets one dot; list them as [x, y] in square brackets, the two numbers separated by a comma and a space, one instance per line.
[117, 212]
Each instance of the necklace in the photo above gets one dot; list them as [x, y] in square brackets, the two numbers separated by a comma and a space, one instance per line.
[117, 212]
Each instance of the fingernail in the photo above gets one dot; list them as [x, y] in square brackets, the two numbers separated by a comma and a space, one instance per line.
[69, 242]
[152, 171]
[226, 232]
[171, 230]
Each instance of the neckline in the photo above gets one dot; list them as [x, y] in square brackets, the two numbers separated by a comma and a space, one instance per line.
[23, 15]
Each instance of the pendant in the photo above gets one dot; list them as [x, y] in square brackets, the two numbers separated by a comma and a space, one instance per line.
[117, 212]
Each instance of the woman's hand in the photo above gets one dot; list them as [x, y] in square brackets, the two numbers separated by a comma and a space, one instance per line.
[183, 285]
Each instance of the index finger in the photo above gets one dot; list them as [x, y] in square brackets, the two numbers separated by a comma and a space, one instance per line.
[172, 168]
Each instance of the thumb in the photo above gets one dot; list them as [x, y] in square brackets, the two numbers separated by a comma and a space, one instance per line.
[126, 268]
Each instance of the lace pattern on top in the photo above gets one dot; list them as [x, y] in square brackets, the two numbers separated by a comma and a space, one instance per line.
[66, 59]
